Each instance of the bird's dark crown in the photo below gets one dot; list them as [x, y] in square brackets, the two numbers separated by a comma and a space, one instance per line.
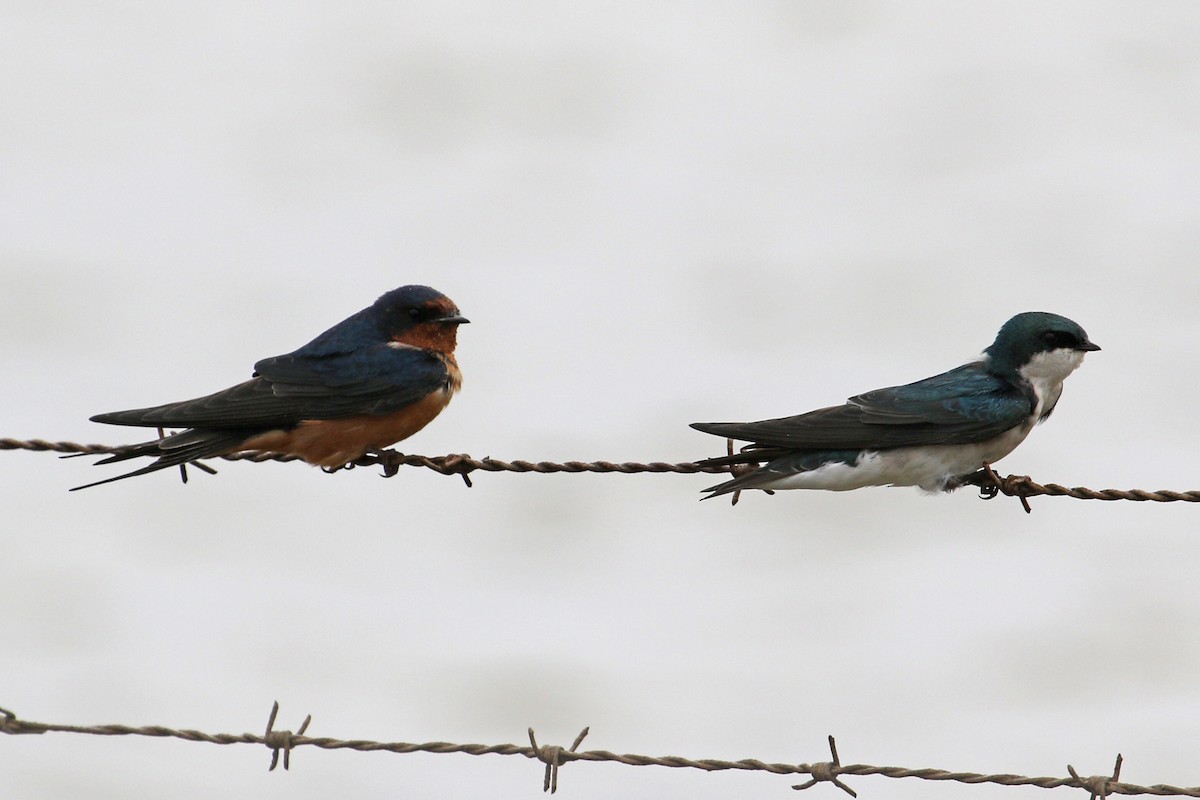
[402, 308]
[398, 315]
[1033, 332]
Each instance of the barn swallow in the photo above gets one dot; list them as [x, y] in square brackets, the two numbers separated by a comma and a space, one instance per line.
[363, 385]
[933, 433]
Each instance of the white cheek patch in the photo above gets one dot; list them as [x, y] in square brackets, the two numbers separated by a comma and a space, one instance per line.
[1053, 366]
[1046, 373]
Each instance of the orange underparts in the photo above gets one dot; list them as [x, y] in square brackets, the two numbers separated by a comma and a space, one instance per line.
[334, 442]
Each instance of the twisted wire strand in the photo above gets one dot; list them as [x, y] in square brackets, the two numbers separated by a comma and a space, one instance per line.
[453, 464]
[1020, 486]
[553, 756]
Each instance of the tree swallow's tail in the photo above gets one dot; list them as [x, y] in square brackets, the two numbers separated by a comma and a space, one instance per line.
[747, 481]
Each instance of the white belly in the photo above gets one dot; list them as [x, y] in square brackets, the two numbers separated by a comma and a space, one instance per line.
[929, 467]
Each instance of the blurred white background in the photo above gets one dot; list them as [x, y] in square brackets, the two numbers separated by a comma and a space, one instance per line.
[653, 213]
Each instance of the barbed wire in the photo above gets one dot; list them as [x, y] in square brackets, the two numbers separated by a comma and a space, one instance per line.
[990, 484]
[553, 757]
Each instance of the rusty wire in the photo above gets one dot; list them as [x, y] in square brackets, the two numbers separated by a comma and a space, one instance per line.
[990, 484]
[554, 756]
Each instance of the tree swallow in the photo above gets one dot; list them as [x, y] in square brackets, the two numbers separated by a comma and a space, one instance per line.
[932, 434]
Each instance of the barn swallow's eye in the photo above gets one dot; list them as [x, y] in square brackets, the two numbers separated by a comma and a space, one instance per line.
[414, 313]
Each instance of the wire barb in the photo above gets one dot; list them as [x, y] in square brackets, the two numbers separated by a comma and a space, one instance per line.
[553, 757]
[282, 740]
[1010, 486]
[826, 771]
[1100, 786]
[738, 470]
[11, 725]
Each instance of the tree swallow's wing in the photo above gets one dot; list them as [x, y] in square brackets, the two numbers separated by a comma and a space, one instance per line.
[967, 404]
[289, 388]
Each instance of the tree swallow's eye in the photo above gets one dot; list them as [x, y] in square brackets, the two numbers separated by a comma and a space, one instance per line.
[1059, 339]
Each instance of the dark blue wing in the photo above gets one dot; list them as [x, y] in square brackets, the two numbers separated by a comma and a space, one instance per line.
[966, 404]
[289, 388]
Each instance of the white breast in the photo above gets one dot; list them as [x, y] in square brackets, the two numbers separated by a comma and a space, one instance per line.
[929, 467]
[1046, 373]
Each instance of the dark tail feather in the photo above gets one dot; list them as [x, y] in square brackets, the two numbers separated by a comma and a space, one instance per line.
[174, 450]
[750, 455]
[735, 484]
[753, 453]
[157, 465]
[134, 451]
[717, 490]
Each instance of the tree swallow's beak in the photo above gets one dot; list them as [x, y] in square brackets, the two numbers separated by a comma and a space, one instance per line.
[1088, 346]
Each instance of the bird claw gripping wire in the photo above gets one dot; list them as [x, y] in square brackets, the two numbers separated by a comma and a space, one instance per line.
[552, 756]
[826, 771]
[390, 462]
[991, 485]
